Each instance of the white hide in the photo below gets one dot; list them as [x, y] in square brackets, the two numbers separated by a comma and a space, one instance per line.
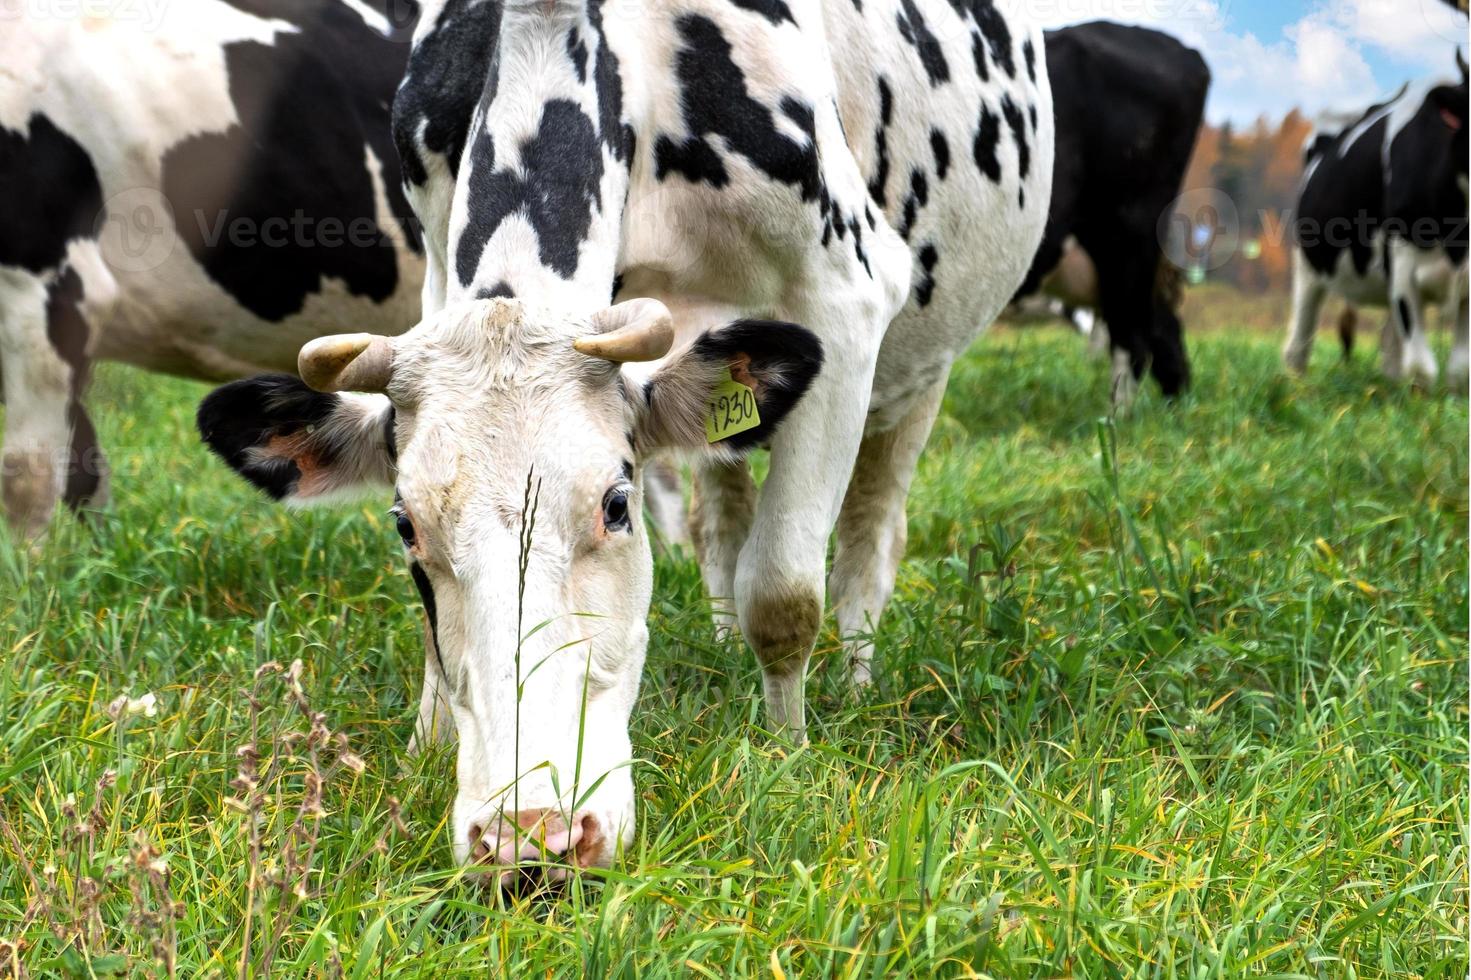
[127, 89]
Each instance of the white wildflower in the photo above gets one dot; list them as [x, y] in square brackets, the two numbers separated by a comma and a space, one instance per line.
[123, 704]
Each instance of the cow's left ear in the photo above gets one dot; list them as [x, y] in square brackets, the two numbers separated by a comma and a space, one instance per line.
[1451, 102]
[729, 390]
[297, 444]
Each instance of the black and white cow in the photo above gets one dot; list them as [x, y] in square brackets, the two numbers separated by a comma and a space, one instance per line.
[1129, 104]
[200, 194]
[702, 226]
[1381, 221]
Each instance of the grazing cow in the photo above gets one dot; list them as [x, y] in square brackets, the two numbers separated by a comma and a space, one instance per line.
[1129, 104]
[200, 195]
[686, 225]
[1381, 221]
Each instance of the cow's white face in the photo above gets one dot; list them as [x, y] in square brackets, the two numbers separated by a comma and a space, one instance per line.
[516, 458]
[519, 489]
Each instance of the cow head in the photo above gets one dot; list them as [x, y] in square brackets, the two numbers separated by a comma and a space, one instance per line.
[515, 440]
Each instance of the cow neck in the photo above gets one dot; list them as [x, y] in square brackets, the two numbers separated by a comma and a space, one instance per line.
[543, 194]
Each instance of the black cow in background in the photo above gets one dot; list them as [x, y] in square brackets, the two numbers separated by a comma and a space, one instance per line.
[1381, 221]
[1129, 104]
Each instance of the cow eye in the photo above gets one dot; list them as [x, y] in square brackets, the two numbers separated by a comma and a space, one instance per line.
[615, 509]
[405, 527]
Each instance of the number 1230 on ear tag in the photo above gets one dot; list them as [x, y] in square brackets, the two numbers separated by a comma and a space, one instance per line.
[731, 409]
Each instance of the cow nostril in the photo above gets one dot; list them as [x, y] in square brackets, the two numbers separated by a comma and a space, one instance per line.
[479, 848]
[590, 842]
[590, 828]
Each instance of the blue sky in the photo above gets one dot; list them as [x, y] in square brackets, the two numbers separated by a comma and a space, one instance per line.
[1267, 56]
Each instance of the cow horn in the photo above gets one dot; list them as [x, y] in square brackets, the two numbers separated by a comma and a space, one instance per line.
[635, 330]
[347, 362]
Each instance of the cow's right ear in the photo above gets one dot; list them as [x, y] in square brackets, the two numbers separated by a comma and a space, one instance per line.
[300, 445]
[729, 390]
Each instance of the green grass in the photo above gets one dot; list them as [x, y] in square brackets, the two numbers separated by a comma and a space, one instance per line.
[1183, 697]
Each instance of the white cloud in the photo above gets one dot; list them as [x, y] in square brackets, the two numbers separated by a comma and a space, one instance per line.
[1312, 68]
[1320, 61]
[1190, 20]
[1413, 31]
[1326, 60]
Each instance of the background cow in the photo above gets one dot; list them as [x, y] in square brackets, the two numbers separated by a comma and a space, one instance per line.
[200, 196]
[806, 210]
[1129, 103]
[1381, 221]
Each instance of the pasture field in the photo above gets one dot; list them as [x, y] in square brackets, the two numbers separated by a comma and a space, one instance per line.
[1181, 696]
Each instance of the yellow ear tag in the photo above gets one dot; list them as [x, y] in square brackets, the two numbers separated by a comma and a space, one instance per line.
[731, 409]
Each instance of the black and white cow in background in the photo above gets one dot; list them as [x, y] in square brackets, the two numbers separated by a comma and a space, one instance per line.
[1381, 221]
[200, 196]
[1129, 104]
[650, 226]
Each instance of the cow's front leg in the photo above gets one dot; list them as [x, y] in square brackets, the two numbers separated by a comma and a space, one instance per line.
[1407, 311]
[1459, 309]
[664, 501]
[722, 507]
[1307, 301]
[1391, 349]
[50, 448]
[435, 722]
[779, 576]
[1098, 339]
[1126, 289]
[873, 526]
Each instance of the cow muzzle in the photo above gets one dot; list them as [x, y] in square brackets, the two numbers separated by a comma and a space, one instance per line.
[540, 844]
